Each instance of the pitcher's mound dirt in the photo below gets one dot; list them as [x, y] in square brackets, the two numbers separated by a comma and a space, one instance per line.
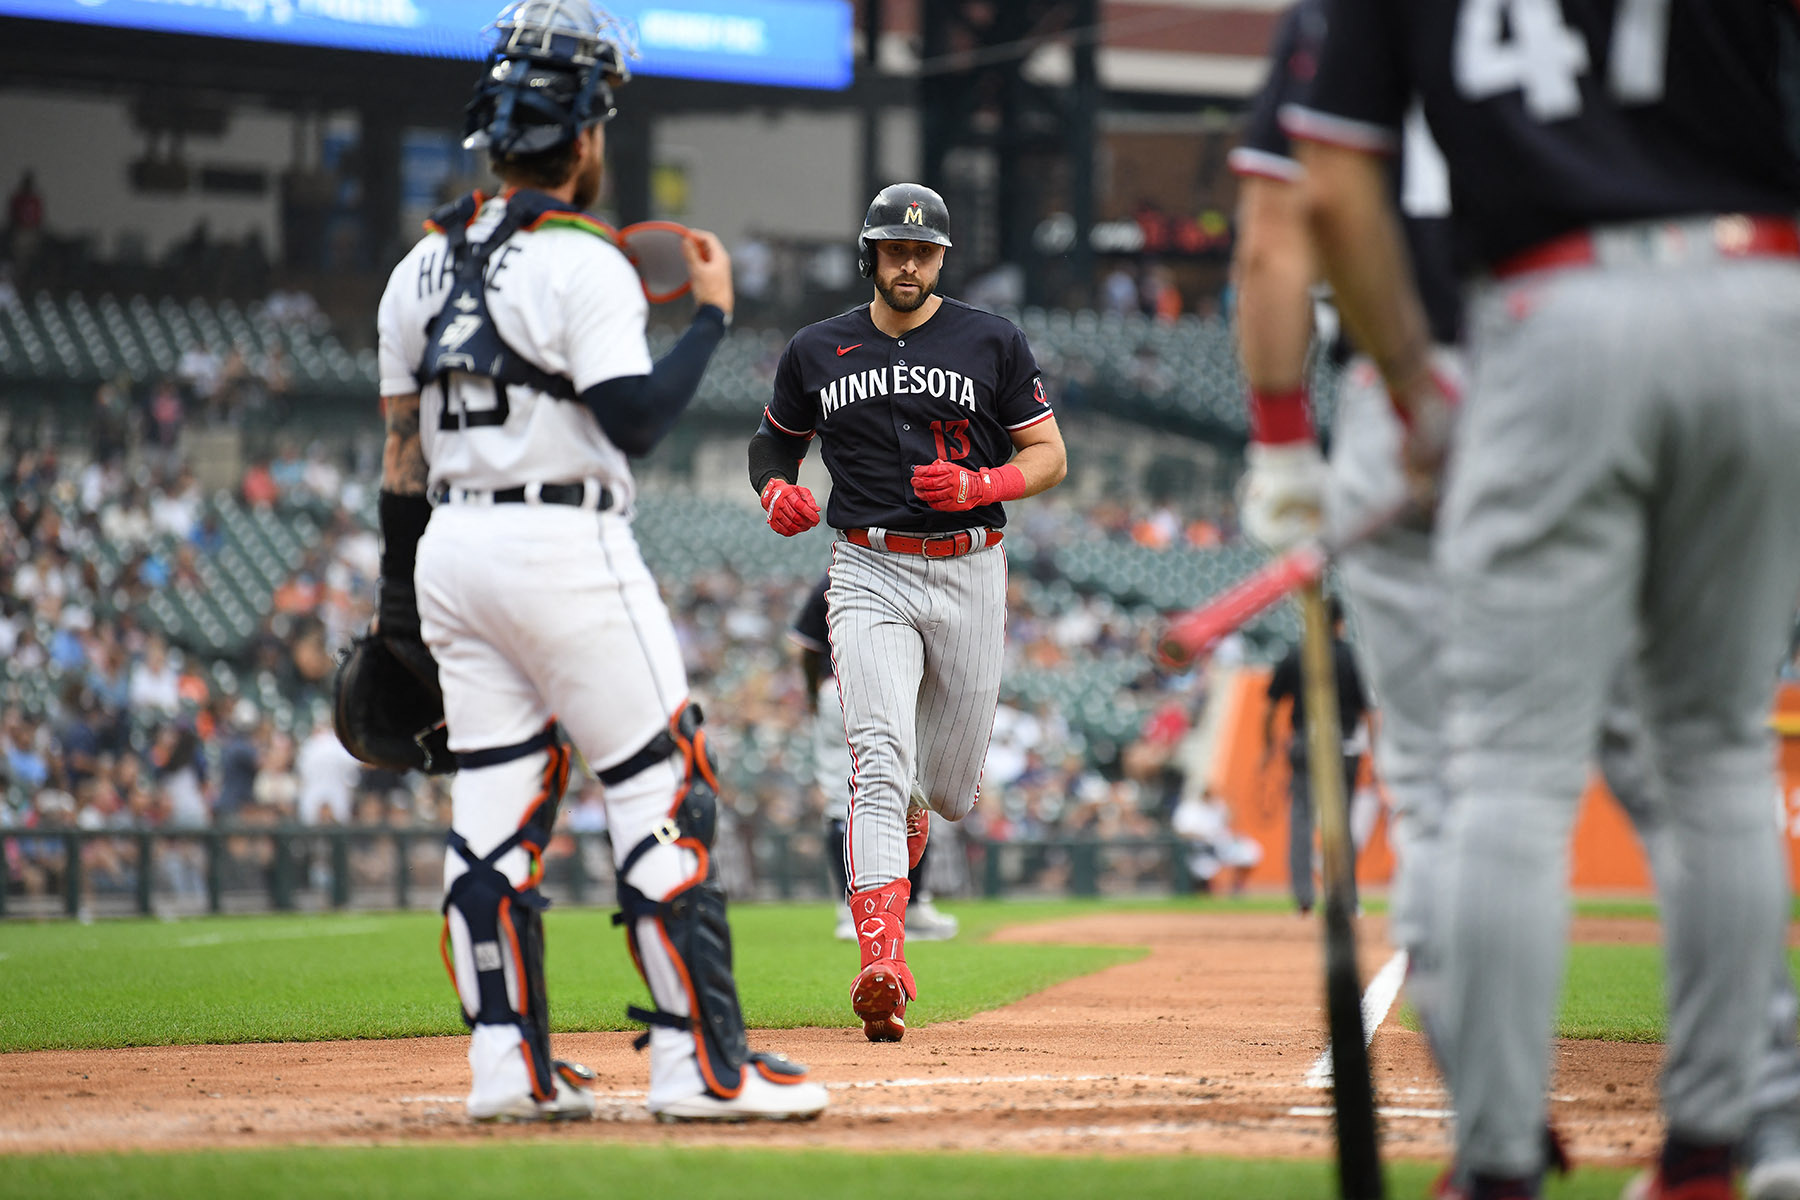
[1205, 1045]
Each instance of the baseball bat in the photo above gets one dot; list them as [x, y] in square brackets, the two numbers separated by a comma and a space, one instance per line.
[1353, 1096]
[1198, 629]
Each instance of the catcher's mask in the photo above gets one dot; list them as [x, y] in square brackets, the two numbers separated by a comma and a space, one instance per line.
[550, 74]
[902, 212]
[386, 715]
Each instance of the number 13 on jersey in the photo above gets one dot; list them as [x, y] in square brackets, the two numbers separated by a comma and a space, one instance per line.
[952, 438]
[1525, 46]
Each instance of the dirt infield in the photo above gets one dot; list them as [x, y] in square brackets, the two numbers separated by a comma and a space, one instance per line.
[1205, 1045]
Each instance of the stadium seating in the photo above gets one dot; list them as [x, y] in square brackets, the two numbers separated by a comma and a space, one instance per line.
[1181, 377]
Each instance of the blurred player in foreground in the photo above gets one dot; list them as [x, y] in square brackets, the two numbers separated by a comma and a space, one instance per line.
[1621, 487]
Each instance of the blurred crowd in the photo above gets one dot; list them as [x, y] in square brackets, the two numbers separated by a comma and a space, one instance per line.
[107, 725]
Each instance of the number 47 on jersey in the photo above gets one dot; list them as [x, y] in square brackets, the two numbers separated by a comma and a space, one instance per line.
[1525, 46]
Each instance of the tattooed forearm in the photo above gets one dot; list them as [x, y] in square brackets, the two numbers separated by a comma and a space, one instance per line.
[402, 459]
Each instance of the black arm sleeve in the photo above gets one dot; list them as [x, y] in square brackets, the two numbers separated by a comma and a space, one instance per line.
[636, 411]
[773, 453]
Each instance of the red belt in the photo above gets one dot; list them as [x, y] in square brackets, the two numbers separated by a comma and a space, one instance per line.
[936, 545]
[1732, 236]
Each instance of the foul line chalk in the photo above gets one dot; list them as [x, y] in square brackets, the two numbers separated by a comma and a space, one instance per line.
[1376, 1002]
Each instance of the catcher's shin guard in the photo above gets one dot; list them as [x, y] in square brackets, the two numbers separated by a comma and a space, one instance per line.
[689, 919]
[496, 928]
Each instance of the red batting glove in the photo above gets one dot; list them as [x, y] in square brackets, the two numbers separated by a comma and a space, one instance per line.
[791, 508]
[950, 488]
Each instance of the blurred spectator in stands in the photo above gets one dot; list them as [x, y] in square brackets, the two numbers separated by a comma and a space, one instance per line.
[288, 469]
[997, 289]
[1203, 822]
[1160, 298]
[176, 509]
[291, 308]
[277, 783]
[327, 776]
[125, 520]
[1157, 529]
[166, 413]
[27, 750]
[1119, 292]
[258, 486]
[753, 272]
[109, 429]
[278, 383]
[200, 370]
[179, 763]
[206, 536]
[24, 221]
[239, 761]
[233, 391]
[155, 679]
[322, 477]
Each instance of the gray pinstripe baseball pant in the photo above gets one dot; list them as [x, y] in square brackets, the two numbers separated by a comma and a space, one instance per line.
[917, 644]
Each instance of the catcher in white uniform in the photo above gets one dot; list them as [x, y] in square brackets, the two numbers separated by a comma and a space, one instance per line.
[517, 380]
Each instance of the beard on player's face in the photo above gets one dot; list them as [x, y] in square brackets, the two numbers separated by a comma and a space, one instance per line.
[923, 275]
[588, 173]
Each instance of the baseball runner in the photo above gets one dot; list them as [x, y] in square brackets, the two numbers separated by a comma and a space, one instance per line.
[1621, 489]
[1390, 579]
[831, 773]
[517, 381]
[931, 414]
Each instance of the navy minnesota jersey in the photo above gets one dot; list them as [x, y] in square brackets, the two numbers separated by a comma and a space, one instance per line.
[955, 388]
[1418, 179]
[1557, 115]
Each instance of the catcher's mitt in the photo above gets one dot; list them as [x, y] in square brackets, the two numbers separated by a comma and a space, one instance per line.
[386, 714]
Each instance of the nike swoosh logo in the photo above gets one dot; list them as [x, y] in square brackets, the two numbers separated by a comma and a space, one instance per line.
[843, 350]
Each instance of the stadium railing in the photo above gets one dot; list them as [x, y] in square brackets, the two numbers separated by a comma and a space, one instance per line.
[261, 868]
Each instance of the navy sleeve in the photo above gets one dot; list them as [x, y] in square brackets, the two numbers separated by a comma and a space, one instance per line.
[1022, 402]
[1265, 149]
[789, 409]
[811, 630]
[637, 411]
[1363, 86]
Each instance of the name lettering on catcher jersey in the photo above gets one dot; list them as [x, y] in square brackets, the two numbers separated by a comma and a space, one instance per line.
[936, 382]
[437, 269]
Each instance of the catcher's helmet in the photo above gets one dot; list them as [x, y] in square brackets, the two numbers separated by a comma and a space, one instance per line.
[550, 75]
[909, 212]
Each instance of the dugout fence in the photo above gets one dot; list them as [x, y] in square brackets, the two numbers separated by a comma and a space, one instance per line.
[260, 868]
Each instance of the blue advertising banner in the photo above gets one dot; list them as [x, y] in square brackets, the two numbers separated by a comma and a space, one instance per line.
[792, 43]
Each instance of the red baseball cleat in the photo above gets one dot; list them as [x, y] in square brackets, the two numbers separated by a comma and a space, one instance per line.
[885, 983]
[879, 997]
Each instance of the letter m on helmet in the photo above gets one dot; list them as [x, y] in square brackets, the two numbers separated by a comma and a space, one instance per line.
[915, 214]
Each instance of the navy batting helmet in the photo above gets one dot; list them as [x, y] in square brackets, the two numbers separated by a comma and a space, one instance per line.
[550, 75]
[909, 212]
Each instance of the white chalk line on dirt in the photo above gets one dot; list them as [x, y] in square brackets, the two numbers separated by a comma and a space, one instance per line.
[1382, 1110]
[1377, 1000]
[985, 1080]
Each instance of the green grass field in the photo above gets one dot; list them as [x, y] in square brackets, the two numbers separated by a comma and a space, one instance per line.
[699, 1173]
[270, 978]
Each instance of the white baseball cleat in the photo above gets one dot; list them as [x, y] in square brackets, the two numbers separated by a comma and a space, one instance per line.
[924, 923]
[846, 925]
[1770, 1155]
[574, 1100]
[759, 1100]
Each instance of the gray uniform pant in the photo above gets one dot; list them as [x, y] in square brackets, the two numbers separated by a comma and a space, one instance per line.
[1624, 479]
[1397, 601]
[917, 644]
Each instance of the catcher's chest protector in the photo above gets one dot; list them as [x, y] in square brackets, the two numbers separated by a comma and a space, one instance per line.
[462, 337]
